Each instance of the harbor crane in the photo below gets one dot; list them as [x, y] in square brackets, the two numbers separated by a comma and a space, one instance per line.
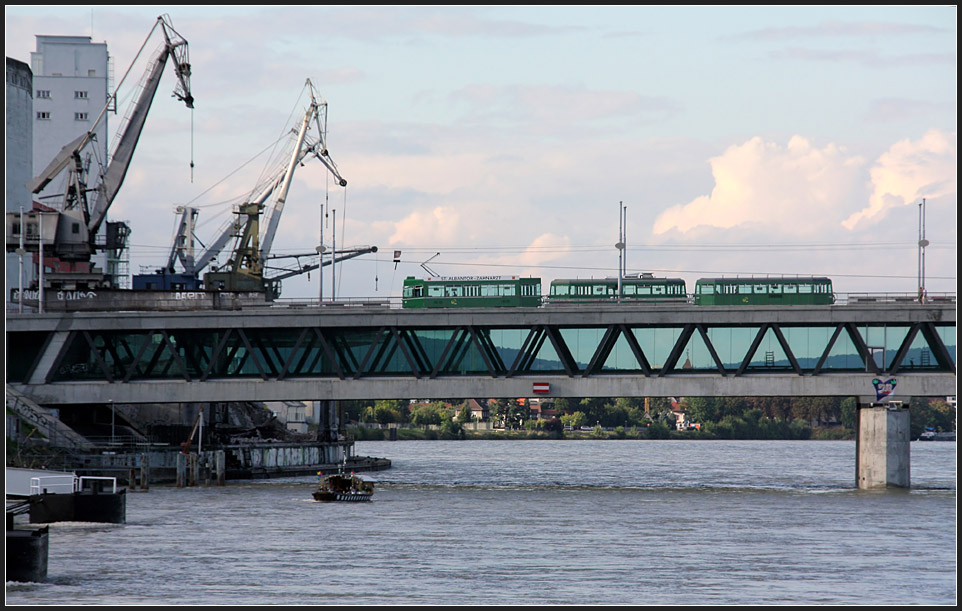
[88, 195]
[256, 222]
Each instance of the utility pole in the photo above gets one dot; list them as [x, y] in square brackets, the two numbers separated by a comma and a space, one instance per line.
[922, 244]
[621, 245]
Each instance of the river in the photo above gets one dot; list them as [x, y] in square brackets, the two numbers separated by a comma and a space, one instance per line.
[534, 522]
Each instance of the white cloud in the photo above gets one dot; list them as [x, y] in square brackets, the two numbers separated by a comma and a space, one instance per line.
[909, 171]
[434, 226]
[796, 188]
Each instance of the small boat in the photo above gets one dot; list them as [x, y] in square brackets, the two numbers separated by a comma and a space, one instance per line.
[343, 487]
[930, 435]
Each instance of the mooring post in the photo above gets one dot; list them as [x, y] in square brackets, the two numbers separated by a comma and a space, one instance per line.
[193, 462]
[181, 470]
[882, 446]
[221, 467]
[131, 473]
[144, 471]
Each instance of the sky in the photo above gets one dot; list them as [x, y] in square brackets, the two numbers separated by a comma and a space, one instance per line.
[503, 140]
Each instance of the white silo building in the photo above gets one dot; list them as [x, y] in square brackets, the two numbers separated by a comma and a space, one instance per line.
[19, 164]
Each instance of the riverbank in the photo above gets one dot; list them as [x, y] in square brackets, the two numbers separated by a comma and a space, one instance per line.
[428, 433]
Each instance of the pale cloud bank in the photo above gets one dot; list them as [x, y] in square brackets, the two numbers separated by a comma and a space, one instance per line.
[427, 227]
[767, 185]
[801, 190]
[909, 171]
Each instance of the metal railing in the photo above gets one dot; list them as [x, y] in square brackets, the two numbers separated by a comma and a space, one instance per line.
[66, 483]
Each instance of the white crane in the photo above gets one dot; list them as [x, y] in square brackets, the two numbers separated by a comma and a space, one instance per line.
[256, 223]
[84, 205]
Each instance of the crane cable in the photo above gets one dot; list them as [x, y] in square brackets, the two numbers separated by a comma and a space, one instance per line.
[191, 145]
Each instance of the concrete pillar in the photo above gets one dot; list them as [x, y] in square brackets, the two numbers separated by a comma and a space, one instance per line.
[882, 446]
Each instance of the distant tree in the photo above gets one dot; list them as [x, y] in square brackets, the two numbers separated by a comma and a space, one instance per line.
[800, 429]
[554, 427]
[701, 409]
[849, 412]
[594, 408]
[426, 413]
[658, 430]
[575, 420]
[451, 429]
[465, 414]
[353, 410]
[562, 405]
[930, 413]
[388, 411]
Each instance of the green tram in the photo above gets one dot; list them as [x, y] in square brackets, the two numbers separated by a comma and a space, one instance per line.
[784, 290]
[471, 292]
[641, 287]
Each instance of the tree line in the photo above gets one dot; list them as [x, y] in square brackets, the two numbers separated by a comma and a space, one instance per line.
[708, 417]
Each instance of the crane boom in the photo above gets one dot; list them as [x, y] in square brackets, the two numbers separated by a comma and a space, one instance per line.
[285, 183]
[304, 146]
[76, 239]
[113, 177]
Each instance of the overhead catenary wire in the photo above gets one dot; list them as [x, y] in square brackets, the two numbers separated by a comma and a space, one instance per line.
[706, 272]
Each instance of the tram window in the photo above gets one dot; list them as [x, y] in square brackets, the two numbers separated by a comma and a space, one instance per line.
[435, 291]
[629, 289]
[408, 291]
[508, 290]
[790, 288]
[775, 289]
[706, 289]
[805, 288]
[657, 290]
[598, 289]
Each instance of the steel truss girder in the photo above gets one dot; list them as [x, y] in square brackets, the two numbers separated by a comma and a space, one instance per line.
[315, 351]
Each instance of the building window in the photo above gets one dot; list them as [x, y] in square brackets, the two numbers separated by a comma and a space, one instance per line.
[43, 115]
[80, 95]
[80, 116]
[43, 94]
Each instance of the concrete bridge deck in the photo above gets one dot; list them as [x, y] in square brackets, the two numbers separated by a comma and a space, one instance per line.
[375, 352]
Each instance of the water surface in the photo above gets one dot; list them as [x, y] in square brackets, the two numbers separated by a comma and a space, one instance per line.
[534, 522]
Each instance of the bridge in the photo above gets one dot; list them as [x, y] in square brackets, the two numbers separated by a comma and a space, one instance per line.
[339, 352]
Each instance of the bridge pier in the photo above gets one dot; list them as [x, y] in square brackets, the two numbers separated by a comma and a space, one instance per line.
[329, 424]
[882, 446]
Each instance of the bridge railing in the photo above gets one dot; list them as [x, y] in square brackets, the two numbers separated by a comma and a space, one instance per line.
[904, 298]
[861, 298]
